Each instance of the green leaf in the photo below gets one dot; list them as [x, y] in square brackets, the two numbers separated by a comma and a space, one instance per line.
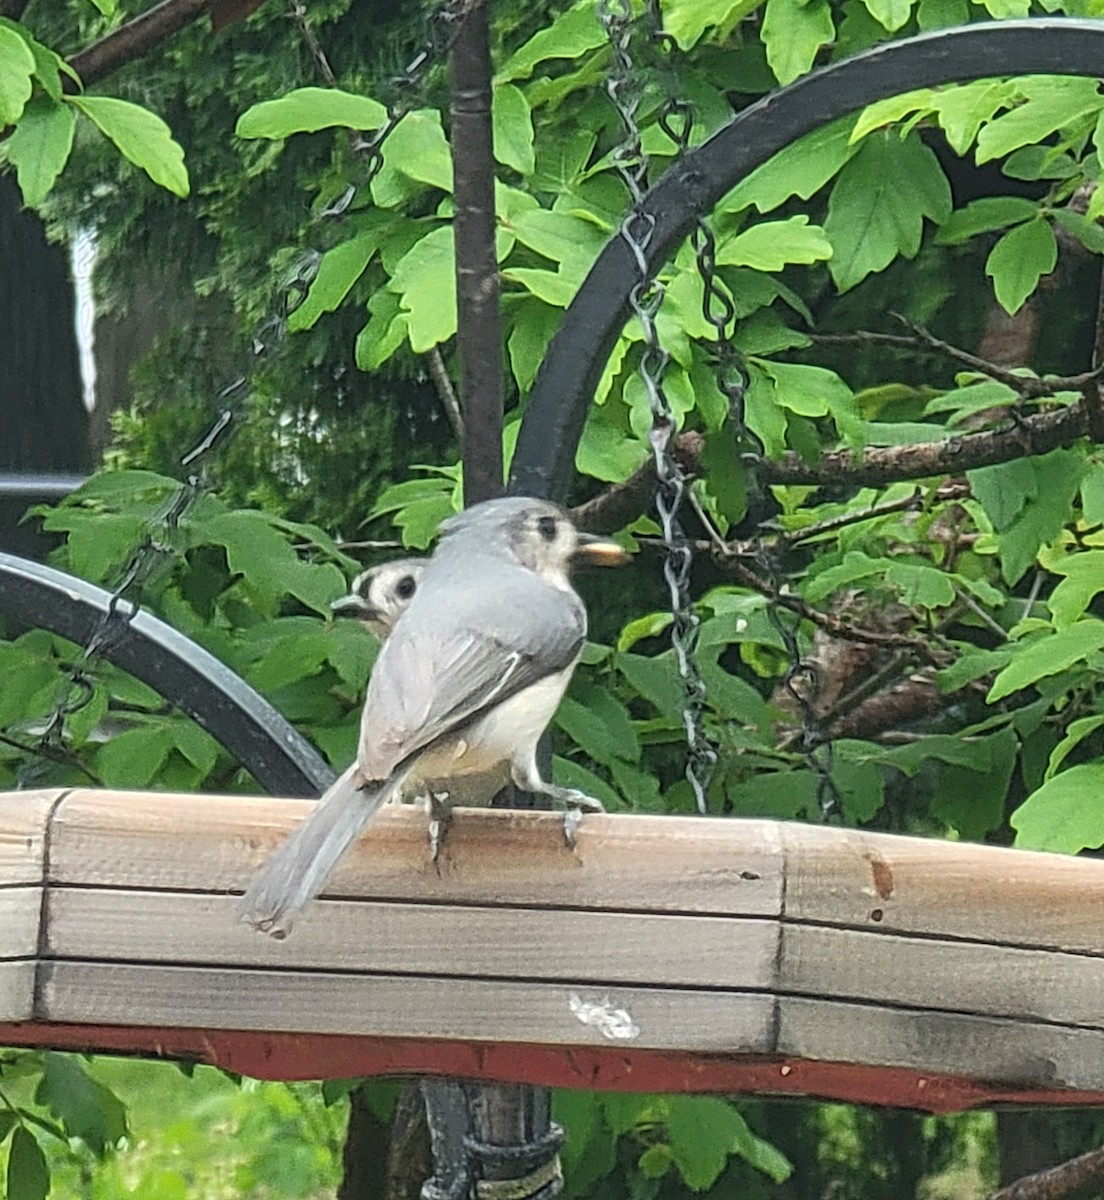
[688, 20]
[814, 392]
[513, 129]
[106, 7]
[1092, 494]
[308, 109]
[339, 269]
[1065, 814]
[425, 279]
[702, 1131]
[17, 67]
[892, 109]
[1076, 733]
[570, 35]
[86, 1108]
[548, 286]
[908, 759]
[793, 33]
[890, 14]
[1048, 656]
[981, 216]
[132, 759]
[1083, 578]
[1019, 260]
[28, 1172]
[654, 678]
[771, 245]
[565, 239]
[963, 110]
[1087, 232]
[802, 169]
[599, 724]
[141, 137]
[566, 773]
[417, 150]
[878, 205]
[972, 802]
[1051, 103]
[1028, 502]
[39, 147]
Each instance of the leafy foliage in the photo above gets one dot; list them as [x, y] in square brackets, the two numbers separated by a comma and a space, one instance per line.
[959, 206]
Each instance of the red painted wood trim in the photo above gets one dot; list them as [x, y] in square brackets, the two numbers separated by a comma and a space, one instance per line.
[290, 1056]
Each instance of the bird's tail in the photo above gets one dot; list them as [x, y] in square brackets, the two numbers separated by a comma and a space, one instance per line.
[299, 869]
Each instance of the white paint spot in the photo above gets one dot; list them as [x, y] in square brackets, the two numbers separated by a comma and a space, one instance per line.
[613, 1023]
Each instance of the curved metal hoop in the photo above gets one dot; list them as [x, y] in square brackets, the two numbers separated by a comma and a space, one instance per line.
[544, 461]
[240, 719]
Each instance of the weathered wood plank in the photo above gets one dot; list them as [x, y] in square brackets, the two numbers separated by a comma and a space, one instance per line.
[20, 915]
[23, 820]
[1006, 1053]
[214, 843]
[964, 977]
[406, 1006]
[921, 885]
[424, 939]
[17, 988]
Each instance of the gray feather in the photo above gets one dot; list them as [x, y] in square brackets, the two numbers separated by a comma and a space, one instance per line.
[299, 869]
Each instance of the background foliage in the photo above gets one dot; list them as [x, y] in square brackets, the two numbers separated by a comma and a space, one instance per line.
[970, 210]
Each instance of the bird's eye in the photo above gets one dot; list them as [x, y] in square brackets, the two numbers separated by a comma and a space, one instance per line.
[404, 589]
[546, 526]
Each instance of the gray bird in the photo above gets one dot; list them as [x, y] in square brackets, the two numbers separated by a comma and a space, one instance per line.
[464, 686]
[380, 595]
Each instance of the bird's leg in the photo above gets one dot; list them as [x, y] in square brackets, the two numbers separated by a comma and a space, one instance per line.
[440, 814]
[574, 803]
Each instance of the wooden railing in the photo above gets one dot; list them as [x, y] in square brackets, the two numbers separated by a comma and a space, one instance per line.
[663, 953]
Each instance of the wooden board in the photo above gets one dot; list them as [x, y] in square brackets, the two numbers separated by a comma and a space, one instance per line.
[680, 952]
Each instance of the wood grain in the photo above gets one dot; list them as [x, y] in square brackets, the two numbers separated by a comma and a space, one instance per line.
[1002, 1052]
[215, 843]
[922, 885]
[402, 1006]
[425, 939]
[23, 820]
[17, 990]
[20, 917]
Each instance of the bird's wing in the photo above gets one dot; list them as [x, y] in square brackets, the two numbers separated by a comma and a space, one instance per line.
[433, 678]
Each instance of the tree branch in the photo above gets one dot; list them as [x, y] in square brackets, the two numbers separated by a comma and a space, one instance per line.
[446, 393]
[1027, 386]
[621, 503]
[881, 465]
[136, 37]
[1079, 1178]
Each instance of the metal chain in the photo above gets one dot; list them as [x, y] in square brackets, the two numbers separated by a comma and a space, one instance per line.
[157, 547]
[626, 91]
[801, 678]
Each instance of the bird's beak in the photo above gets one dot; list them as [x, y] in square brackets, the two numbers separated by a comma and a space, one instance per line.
[592, 548]
[355, 606]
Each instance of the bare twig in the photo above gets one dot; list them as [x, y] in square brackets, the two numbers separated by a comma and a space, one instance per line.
[922, 340]
[299, 15]
[136, 37]
[949, 491]
[446, 393]
[981, 614]
[833, 624]
[1078, 1178]
[62, 757]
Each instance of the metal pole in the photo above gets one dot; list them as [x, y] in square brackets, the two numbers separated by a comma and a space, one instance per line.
[479, 323]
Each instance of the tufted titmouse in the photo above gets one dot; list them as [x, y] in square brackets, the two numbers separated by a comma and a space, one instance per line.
[380, 595]
[464, 686]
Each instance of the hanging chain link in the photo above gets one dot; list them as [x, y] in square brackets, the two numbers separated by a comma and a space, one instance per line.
[159, 545]
[676, 119]
[626, 91]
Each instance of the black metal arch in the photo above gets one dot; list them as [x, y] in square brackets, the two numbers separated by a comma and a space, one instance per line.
[240, 719]
[544, 461]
